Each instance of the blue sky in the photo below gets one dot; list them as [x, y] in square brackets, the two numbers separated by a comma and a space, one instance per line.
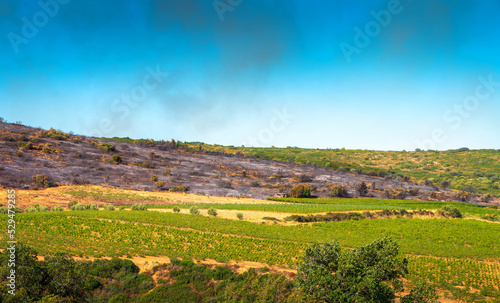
[387, 75]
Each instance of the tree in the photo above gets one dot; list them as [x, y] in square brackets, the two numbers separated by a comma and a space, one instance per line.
[369, 273]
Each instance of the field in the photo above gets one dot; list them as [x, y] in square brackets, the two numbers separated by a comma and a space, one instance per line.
[460, 256]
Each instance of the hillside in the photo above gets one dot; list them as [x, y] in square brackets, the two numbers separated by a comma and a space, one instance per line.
[58, 158]
[65, 159]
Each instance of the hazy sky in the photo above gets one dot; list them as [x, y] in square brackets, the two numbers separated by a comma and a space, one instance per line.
[313, 73]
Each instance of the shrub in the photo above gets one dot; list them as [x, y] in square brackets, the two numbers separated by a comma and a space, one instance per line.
[421, 293]
[255, 184]
[179, 189]
[30, 209]
[445, 184]
[91, 206]
[303, 178]
[159, 184]
[167, 171]
[176, 209]
[338, 191]
[224, 184]
[212, 212]
[414, 191]
[56, 134]
[42, 208]
[109, 207]
[103, 146]
[362, 189]
[140, 206]
[470, 189]
[57, 208]
[154, 178]
[396, 193]
[144, 164]
[239, 216]
[486, 198]
[116, 159]
[41, 181]
[494, 217]
[77, 207]
[46, 149]
[449, 211]
[301, 191]
[194, 210]
[72, 203]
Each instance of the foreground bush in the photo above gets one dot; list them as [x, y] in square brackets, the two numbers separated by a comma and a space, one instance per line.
[369, 273]
[176, 209]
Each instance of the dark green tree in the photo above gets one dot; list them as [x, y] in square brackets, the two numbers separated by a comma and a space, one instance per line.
[369, 273]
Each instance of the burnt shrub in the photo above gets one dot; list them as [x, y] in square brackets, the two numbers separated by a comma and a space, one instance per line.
[339, 191]
[301, 191]
[445, 184]
[41, 181]
[303, 178]
[224, 184]
[396, 193]
[255, 184]
[144, 164]
[414, 191]
[362, 189]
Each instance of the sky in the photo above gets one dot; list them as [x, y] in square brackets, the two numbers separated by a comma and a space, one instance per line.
[378, 75]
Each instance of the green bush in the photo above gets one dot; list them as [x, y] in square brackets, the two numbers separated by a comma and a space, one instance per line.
[179, 189]
[140, 206]
[239, 216]
[57, 208]
[194, 210]
[421, 293]
[91, 206]
[109, 207]
[301, 191]
[176, 209]
[212, 212]
[41, 181]
[72, 203]
[450, 211]
[339, 191]
[167, 171]
[369, 273]
[116, 159]
[77, 207]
